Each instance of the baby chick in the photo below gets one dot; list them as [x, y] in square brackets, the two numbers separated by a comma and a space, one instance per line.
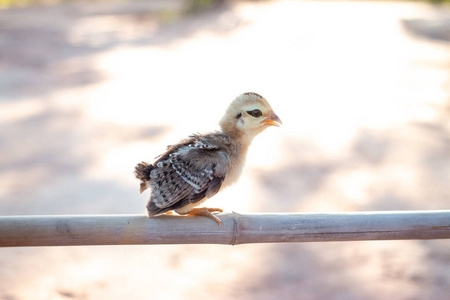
[198, 167]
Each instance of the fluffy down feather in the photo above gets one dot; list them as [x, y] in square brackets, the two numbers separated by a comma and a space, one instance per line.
[186, 173]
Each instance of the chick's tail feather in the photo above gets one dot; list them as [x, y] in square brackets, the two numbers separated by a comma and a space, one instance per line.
[142, 172]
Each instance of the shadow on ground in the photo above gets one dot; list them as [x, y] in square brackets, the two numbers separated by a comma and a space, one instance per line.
[43, 49]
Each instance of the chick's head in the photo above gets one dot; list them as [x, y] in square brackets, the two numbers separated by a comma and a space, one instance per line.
[248, 115]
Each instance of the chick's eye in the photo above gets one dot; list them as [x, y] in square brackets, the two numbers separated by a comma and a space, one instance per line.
[256, 113]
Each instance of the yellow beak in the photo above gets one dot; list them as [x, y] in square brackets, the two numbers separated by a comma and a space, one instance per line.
[272, 120]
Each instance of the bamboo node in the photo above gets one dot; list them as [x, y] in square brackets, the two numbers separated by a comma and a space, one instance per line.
[235, 230]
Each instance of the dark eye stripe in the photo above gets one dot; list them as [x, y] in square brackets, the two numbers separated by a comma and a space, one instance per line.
[256, 113]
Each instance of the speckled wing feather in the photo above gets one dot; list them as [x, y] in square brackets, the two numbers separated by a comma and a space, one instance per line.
[186, 173]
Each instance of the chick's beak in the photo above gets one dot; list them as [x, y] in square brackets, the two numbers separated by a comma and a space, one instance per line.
[272, 120]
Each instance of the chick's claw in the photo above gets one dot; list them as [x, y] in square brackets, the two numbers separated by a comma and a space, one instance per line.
[206, 212]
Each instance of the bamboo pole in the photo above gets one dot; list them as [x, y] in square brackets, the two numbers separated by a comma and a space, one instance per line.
[20, 231]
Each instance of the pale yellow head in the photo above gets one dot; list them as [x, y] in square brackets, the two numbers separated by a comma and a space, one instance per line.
[248, 115]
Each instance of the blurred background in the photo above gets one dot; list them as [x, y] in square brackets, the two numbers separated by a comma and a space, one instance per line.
[88, 89]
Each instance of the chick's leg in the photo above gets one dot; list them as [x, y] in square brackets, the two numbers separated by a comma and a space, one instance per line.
[207, 212]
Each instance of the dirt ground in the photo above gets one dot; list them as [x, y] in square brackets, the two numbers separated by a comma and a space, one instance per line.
[88, 90]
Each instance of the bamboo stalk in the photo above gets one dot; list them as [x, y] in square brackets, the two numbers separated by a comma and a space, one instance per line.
[20, 231]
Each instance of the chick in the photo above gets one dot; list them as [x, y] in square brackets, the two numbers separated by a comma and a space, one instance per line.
[196, 168]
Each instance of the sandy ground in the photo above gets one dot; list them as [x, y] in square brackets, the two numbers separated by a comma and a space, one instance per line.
[88, 90]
